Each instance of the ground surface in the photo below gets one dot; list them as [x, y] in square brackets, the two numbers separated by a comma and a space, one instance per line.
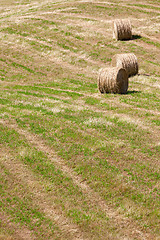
[77, 164]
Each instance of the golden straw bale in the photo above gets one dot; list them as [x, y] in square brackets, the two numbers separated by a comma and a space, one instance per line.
[128, 61]
[122, 29]
[113, 80]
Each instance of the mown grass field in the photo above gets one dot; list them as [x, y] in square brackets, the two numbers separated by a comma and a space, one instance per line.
[77, 164]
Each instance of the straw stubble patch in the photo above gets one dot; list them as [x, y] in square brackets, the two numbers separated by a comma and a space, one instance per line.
[97, 121]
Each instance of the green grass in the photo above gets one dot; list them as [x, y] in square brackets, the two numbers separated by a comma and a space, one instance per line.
[17, 203]
[146, 6]
[56, 125]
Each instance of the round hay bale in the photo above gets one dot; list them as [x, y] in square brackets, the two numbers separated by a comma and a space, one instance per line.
[113, 80]
[122, 29]
[128, 61]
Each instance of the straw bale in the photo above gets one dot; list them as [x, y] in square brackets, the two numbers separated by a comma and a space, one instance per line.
[128, 61]
[122, 29]
[113, 80]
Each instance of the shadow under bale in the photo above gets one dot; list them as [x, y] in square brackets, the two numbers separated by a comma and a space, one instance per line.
[134, 37]
[133, 92]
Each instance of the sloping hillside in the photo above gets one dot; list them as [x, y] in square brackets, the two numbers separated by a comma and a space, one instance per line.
[77, 164]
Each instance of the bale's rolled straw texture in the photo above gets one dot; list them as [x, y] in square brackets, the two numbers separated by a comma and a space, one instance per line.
[128, 61]
[122, 29]
[113, 80]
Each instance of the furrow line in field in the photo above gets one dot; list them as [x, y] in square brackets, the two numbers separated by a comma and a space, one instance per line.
[150, 37]
[26, 177]
[16, 9]
[58, 58]
[98, 96]
[140, 8]
[130, 230]
[53, 54]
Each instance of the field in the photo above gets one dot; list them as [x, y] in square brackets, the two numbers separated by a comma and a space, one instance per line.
[75, 163]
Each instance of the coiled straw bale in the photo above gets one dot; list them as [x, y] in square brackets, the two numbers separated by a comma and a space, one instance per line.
[128, 61]
[122, 29]
[113, 80]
